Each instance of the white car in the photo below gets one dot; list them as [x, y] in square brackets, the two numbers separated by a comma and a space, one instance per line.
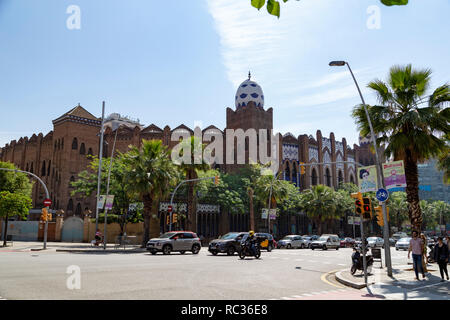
[374, 242]
[403, 244]
[291, 241]
[307, 240]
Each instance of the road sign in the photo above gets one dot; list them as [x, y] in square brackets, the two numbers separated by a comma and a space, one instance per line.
[382, 195]
[169, 209]
[47, 202]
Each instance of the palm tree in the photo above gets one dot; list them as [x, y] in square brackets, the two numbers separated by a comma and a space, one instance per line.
[398, 208]
[319, 204]
[409, 123]
[150, 174]
[190, 171]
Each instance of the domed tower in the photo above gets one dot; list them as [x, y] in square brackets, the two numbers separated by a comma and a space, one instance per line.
[249, 113]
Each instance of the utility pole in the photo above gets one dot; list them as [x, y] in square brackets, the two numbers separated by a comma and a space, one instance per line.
[99, 166]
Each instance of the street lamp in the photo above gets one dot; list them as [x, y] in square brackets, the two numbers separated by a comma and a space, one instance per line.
[380, 181]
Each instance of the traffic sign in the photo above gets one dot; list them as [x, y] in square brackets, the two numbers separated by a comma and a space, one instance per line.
[382, 195]
[169, 209]
[47, 202]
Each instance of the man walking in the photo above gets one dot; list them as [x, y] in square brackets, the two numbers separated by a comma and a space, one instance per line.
[441, 257]
[416, 246]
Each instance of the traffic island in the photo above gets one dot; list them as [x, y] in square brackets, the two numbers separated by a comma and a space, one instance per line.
[355, 281]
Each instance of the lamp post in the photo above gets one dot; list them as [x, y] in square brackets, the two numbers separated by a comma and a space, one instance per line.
[378, 167]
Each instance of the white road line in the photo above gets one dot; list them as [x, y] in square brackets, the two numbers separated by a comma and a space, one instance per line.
[341, 264]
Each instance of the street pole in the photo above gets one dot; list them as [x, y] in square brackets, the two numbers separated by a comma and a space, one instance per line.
[100, 155]
[363, 244]
[46, 194]
[379, 169]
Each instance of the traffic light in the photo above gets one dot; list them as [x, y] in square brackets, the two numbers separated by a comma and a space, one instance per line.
[44, 214]
[49, 217]
[174, 218]
[216, 180]
[367, 208]
[302, 168]
[168, 219]
[380, 219]
[358, 202]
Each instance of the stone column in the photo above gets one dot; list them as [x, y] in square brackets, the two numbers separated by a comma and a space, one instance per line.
[86, 226]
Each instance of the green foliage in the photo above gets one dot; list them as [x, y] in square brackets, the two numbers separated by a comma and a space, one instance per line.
[273, 6]
[14, 182]
[319, 203]
[14, 204]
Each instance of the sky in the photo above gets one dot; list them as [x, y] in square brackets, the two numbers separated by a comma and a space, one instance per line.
[178, 62]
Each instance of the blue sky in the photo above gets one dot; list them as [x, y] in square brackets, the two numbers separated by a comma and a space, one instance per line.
[173, 61]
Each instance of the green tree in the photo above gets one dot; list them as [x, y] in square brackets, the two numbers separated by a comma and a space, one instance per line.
[398, 208]
[273, 6]
[444, 160]
[190, 171]
[14, 182]
[409, 130]
[13, 204]
[430, 220]
[319, 204]
[86, 185]
[150, 174]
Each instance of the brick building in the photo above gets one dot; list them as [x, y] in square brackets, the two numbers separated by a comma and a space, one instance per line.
[62, 153]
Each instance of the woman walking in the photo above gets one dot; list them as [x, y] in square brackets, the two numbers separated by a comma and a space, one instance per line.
[441, 257]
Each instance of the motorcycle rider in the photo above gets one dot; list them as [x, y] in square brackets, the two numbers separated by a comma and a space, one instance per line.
[251, 240]
[355, 256]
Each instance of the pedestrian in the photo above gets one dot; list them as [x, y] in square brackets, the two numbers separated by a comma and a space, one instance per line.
[416, 246]
[424, 253]
[441, 257]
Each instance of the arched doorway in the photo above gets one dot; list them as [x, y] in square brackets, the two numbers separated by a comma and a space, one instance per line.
[314, 177]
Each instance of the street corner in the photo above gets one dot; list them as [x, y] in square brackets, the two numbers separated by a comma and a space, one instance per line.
[346, 278]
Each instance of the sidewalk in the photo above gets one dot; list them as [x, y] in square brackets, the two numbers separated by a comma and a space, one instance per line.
[25, 246]
[402, 285]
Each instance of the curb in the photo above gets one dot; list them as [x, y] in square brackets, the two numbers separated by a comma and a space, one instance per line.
[339, 278]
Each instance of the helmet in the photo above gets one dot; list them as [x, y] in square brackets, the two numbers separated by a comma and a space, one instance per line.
[251, 232]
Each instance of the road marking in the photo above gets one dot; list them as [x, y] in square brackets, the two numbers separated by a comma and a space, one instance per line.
[297, 296]
[341, 264]
[307, 295]
[324, 279]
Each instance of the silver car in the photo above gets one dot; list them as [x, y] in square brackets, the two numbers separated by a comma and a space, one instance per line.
[180, 241]
[403, 244]
[291, 241]
[374, 242]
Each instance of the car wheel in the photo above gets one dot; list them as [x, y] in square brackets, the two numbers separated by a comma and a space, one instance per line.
[167, 249]
[396, 249]
[230, 251]
[195, 249]
[302, 246]
[337, 248]
[269, 248]
[182, 251]
[258, 253]
[153, 252]
[324, 247]
[214, 253]
[312, 248]
[289, 246]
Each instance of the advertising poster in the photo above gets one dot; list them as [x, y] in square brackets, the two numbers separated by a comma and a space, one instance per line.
[273, 214]
[264, 213]
[101, 202]
[394, 174]
[367, 179]
[109, 202]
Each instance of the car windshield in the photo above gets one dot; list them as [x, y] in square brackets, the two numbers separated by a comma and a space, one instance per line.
[288, 238]
[323, 238]
[306, 238]
[372, 239]
[230, 235]
[404, 240]
[168, 234]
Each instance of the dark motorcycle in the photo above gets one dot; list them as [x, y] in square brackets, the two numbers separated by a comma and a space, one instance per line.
[358, 265]
[430, 256]
[245, 249]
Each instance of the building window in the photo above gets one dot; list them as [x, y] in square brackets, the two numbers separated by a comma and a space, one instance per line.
[31, 169]
[72, 179]
[70, 205]
[82, 149]
[74, 144]
[314, 177]
[287, 172]
[328, 177]
[352, 180]
[43, 169]
[90, 153]
[78, 211]
[49, 164]
[340, 177]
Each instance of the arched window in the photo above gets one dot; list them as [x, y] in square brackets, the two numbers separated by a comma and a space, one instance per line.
[72, 179]
[70, 205]
[59, 144]
[27, 167]
[62, 143]
[352, 180]
[74, 144]
[314, 177]
[340, 177]
[82, 148]
[294, 175]
[48, 169]
[43, 169]
[31, 169]
[90, 152]
[78, 210]
[328, 177]
[287, 172]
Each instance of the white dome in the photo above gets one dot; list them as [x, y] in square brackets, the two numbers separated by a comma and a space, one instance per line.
[249, 91]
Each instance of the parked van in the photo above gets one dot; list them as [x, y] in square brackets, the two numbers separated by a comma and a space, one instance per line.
[326, 241]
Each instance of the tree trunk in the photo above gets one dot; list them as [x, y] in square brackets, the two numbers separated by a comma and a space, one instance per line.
[146, 215]
[412, 192]
[5, 235]
[251, 209]
[319, 227]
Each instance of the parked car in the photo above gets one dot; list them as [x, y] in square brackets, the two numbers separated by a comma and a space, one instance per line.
[228, 243]
[430, 241]
[392, 242]
[180, 241]
[403, 244]
[374, 242]
[269, 238]
[326, 241]
[398, 235]
[347, 242]
[307, 240]
[292, 241]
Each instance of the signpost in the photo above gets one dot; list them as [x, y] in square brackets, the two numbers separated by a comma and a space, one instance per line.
[382, 195]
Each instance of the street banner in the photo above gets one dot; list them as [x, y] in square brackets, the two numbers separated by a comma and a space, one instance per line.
[109, 202]
[273, 214]
[264, 213]
[367, 179]
[357, 221]
[354, 220]
[394, 174]
[350, 220]
[101, 202]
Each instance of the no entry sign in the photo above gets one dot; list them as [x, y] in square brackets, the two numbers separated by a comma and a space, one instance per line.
[47, 202]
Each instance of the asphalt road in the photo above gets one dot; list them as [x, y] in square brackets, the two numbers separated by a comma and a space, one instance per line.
[280, 274]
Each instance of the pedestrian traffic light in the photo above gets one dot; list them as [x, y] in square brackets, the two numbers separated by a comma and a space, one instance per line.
[367, 208]
[216, 180]
[302, 168]
[44, 214]
[358, 202]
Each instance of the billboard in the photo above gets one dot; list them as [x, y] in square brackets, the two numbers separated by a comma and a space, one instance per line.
[394, 175]
[367, 179]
